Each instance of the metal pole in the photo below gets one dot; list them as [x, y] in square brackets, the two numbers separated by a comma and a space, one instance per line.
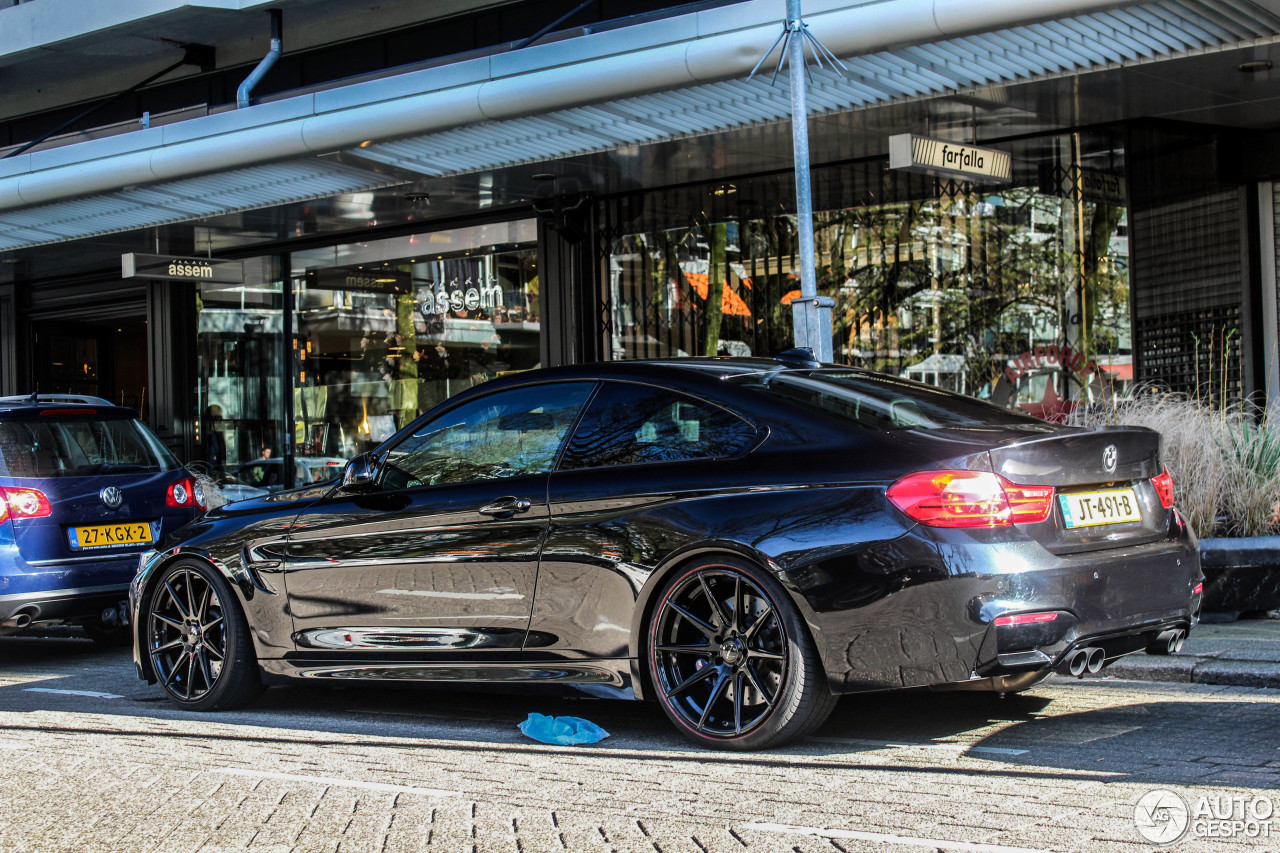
[811, 314]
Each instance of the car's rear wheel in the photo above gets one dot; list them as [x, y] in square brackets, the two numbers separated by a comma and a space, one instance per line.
[198, 640]
[732, 662]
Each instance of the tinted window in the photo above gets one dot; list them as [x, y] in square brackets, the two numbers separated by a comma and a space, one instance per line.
[629, 424]
[79, 448]
[507, 434]
[881, 402]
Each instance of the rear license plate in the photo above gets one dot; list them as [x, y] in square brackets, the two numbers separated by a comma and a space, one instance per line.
[110, 535]
[1087, 509]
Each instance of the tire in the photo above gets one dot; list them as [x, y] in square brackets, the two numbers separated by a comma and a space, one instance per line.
[198, 642]
[109, 636]
[732, 662]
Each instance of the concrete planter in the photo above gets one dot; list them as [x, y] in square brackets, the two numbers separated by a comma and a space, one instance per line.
[1241, 574]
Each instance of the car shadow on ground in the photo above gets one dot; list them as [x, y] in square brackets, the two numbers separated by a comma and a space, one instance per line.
[1121, 738]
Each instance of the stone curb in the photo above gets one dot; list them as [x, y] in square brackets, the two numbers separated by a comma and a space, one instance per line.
[1189, 669]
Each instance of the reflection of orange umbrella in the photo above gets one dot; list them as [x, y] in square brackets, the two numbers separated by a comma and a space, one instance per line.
[791, 294]
[730, 301]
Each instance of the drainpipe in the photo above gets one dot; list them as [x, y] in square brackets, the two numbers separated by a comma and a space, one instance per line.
[242, 94]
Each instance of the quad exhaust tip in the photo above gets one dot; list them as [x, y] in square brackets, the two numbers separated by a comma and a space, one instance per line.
[1168, 642]
[1088, 660]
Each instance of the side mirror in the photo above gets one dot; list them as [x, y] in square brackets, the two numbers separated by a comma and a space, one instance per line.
[361, 473]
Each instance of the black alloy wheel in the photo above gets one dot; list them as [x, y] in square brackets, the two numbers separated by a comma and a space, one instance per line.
[198, 640]
[732, 663]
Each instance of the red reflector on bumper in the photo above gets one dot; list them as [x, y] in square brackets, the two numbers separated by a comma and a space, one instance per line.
[1026, 618]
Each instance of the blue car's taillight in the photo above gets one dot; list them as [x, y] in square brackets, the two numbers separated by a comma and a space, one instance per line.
[19, 503]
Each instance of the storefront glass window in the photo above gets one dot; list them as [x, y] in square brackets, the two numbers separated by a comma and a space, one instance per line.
[386, 329]
[240, 384]
[1015, 293]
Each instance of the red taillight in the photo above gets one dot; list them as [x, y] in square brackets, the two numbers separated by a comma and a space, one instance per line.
[1199, 589]
[23, 503]
[1026, 618]
[185, 492]
[1164, 487]
[969, 499]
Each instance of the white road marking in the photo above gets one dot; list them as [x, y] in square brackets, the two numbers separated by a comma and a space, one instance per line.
[950, 747]
[885, 838]
[94, 694]
[7, 745]
[337, 783]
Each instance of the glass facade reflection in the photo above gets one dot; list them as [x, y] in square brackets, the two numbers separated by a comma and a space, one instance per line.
[240, 382]
[1019, 294]
[386, 329]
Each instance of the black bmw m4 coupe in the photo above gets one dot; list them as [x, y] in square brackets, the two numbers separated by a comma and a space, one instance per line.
[741, 540]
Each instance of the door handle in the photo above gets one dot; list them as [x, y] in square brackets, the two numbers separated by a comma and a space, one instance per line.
[505, 507]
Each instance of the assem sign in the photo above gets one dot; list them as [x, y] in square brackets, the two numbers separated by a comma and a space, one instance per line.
[170, 268]
[948, 159]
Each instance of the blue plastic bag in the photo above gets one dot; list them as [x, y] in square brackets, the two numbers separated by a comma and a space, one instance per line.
[565, 730]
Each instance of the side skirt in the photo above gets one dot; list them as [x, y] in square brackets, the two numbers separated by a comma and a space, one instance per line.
[606, 679]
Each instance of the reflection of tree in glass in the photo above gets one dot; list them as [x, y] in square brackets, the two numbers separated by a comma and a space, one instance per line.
[486, 440]
[628, 425]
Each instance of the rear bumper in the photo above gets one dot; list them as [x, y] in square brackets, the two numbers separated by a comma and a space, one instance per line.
[63, 592]
[920, 610]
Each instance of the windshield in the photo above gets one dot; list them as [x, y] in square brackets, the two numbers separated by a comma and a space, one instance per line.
[80, 448]
[878, 401]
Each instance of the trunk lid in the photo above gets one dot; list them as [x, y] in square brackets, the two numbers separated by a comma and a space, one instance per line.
[1101, 477]
[1103, 494]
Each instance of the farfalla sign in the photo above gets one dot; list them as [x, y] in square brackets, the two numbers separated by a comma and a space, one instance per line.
[949, 159]
[170, 268]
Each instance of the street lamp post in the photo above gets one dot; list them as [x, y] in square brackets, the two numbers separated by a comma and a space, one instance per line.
[811, 313]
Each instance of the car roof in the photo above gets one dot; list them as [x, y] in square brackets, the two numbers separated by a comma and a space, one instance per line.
[695, 370]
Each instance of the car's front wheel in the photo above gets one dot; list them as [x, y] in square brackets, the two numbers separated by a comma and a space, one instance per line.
[732, 662]
[198, 640]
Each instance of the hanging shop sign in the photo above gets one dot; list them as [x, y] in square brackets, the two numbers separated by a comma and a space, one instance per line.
[169, 268]
[948, 159]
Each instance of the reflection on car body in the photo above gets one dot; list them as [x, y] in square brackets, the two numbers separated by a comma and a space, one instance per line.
[741, 539]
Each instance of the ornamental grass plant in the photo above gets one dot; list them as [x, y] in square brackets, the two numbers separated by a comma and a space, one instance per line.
[1225, 462]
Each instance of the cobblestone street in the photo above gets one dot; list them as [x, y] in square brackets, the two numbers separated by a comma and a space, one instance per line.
[97, 761]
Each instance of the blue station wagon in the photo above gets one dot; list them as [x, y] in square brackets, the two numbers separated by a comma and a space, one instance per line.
[84, 488]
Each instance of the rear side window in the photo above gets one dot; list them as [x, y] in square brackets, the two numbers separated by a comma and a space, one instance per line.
[881, 402]
[632, 424]
[80, 448]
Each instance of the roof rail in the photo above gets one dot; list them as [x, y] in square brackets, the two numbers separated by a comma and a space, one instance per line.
[36, 399]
